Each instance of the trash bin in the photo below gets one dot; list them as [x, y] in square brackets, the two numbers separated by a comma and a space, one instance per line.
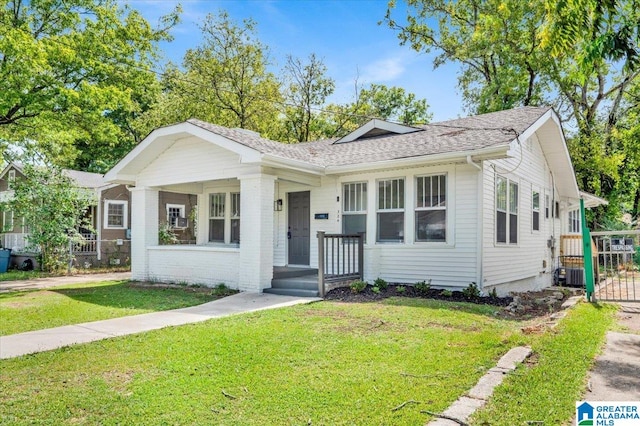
[5, 257]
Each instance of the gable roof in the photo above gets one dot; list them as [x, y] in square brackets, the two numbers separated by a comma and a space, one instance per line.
[377, 144]
[82, 179]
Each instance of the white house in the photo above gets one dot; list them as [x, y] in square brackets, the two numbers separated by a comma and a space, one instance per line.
[481, 199]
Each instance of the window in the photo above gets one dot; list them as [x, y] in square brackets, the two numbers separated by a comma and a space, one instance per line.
[175, 212]
[354, 208]
[557, 210]
[7, 221]
[115, 214]
[535, 203]
[431, 208]
[216, 217]
[506, 211]
[390, 210]
[574, 222]
[235, 217]
[547, 205]
[11, 178]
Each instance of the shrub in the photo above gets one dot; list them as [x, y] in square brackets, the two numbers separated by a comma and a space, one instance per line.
[423, 287]
[493, 293]
[472, 291]
[358, 286]
[380, 283]
[376, 290]
[446, 293]
[401, 289]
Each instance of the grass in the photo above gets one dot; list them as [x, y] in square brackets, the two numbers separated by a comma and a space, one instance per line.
[325, 363]
[16, 275]
[546, 391]
[33, 310]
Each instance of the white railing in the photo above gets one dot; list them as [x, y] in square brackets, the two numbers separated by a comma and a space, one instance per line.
[89, 245]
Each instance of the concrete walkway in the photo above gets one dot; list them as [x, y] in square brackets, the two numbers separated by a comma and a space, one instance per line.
[49, 282]
[615, 374]
[53, 338]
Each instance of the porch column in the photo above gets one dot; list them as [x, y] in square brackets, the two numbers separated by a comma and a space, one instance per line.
[144, 229]
[256, 232]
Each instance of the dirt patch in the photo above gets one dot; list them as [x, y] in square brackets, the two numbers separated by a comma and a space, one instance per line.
[629, 317]
[520, 306]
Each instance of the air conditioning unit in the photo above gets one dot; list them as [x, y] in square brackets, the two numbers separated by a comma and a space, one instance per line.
[181, 222]
[575, 277]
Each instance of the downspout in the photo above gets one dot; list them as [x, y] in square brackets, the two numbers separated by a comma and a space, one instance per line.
[99, 226]
[480, 225]
[472, 163]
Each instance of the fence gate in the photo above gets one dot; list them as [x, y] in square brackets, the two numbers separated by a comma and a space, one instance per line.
[617, 270]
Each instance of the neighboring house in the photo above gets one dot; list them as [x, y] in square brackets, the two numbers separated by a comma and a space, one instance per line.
[481, 199]
[108, 242]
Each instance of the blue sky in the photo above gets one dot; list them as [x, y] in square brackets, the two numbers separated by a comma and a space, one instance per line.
[345, 34]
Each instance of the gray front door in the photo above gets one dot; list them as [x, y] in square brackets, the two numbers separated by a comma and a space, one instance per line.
[299, 233]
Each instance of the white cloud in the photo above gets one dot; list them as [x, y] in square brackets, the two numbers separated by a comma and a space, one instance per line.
[382, 70]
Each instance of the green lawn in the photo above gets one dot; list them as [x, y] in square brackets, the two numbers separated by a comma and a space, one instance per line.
[327, 363]
[33, 310]
[15, 275]
[546, 391]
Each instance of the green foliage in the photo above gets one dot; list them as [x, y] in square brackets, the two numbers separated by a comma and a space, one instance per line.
[376, 290]
[423, 287]
[358, 286]
[55, 211]
[401, 289]
[166, 235]
[446, 293]
[380, 283]
[73, 77]
[493, 293]
[471, 291]
[567, 54]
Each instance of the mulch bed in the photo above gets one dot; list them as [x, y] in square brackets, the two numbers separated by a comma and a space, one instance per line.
[533, 304]
[345, 294]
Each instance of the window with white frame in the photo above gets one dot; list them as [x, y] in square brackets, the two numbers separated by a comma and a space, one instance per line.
[506, 211]
[7, 221]
[535, 213]
[11, 178]
[547, 206]
[431, 208]
[390, 213]
[175, 212]
[574, 222]
[216, 217]
[235, 217]
[354, 208]
[115, 216]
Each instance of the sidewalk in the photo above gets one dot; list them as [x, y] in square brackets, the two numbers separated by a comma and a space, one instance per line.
[615, 374]
[49, 282]
[53, 338]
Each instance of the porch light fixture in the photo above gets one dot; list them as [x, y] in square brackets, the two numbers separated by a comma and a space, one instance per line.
[277, 205]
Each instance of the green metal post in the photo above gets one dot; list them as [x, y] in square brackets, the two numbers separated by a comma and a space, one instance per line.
[588, 255]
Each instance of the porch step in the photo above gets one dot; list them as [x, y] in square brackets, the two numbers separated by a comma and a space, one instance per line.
[288, 272]
[301, 286]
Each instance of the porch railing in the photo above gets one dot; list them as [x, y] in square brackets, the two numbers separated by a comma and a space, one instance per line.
[340, 258]
[88, 245]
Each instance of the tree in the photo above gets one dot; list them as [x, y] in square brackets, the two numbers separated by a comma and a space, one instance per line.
[73, 73]
[375, 101]
[307, 90]
[53, 208]
[510, 54]
[494, 41]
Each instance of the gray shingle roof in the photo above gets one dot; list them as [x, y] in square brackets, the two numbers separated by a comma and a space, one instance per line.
[85, 179]
[459, 135]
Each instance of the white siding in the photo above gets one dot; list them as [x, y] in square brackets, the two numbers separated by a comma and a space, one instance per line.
[530, 262]
[451, 264]
[194, 265]
[190, 160]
